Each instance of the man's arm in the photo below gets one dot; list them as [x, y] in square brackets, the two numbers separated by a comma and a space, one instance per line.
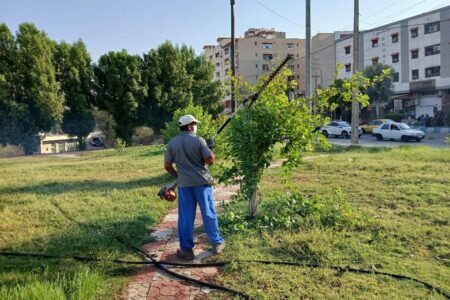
[210, 159]
[170, 169]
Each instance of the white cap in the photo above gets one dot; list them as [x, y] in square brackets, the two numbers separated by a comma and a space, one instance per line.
[187, 119]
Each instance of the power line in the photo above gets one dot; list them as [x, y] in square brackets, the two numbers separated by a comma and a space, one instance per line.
[278, 14]
[399, 12]
[346, 38]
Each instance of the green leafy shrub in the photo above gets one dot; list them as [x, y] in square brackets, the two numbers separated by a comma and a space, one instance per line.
[292, 212]
[397, 117]
[119, 145]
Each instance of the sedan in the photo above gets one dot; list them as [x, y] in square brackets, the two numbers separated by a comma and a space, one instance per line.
[339, 128]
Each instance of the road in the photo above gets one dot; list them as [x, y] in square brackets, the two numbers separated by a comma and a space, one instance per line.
[434, 140]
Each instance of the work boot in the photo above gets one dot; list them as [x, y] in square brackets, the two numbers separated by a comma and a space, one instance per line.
[185, 254]
[218, 248]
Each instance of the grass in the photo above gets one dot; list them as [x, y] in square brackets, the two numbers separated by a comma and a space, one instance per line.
[399, 222]
[39, 195]
[400, 205]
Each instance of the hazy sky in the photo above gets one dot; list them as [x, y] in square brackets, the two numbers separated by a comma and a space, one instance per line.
[139, 25]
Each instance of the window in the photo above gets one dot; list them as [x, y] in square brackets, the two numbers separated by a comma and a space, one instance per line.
[266, 45]
[210, 57]
[414, 53]
[290, 46]
[394, 37]
[432, 27]
[414, 32]
[385, 126]
[395, 57]
[256, 66]
[394, 127]
[374, 60]
[217, 54]
[395, 77]
[348, 67]
[267, 56]
[218, 64]
[347, 49]
[432, 50]
[433, 71]
[227, 51]
[217, 74]
[374, 43]
[415, 74]
[265, 67]
[256, 54]
[256, 43]
[298, 66]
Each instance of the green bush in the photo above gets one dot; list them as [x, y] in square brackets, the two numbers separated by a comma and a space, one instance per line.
[206, 129]
[397, 117]
[293, 211]
[119, 145]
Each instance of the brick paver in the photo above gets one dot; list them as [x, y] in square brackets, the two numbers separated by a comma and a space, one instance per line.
[149, 283]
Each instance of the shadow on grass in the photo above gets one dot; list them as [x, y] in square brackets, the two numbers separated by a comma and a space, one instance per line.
[102, 240]
[58, 187]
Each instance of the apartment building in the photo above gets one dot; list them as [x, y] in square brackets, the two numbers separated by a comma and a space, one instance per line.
[418, 50]
[256, 54]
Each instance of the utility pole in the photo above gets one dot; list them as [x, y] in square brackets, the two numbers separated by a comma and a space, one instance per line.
[355, 104]
[233, 67]
[308, 50]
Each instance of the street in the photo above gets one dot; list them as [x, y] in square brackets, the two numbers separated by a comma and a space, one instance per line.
[435, 140]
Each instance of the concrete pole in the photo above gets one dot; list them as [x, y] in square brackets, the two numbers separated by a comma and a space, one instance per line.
[355, 104]
[233, 65]
[308, 50]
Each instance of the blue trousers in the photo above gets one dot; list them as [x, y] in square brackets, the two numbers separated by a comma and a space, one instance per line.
[188, 197]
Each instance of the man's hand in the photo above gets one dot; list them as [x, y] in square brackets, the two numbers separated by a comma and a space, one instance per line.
[210, 143]
[170, 169]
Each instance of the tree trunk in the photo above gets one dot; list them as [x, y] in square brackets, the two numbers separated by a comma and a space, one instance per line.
[253, 202]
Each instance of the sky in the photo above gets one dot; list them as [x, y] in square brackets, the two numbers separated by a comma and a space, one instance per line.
[140, 25]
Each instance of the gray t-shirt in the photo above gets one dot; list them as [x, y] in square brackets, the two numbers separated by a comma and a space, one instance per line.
[189, 152]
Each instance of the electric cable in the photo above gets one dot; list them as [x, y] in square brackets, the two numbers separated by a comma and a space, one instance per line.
[224, 263]
[156, 263]
[343, 39]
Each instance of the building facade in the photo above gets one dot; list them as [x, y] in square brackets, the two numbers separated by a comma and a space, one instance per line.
[417, 49]
[256, 54]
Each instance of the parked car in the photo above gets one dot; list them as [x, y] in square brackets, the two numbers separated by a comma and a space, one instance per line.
[368, 128]
[96, 142]
[398, 131]
[339, 128]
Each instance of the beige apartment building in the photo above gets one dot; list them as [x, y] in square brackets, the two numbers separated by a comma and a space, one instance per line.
[258, 53]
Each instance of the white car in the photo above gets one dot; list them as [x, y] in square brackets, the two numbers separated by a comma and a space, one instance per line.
[398, 131]
[339, 128]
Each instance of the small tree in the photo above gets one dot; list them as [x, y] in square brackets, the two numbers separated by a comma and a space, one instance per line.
[252, 135]
[382, 90]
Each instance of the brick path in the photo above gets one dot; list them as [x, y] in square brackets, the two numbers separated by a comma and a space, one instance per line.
[150, 283]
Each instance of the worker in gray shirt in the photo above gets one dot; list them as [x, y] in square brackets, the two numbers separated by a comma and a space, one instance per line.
[192, 154]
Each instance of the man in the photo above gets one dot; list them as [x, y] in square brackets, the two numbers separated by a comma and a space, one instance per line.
[191, 154]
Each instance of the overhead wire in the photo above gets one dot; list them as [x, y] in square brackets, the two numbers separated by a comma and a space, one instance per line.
[350, 35]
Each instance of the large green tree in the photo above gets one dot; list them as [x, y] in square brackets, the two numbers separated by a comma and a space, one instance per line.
[381, 92]
[205, 92]
[120, 90]
[175, 78]
[75, 76]
[169, 85]
[9, 110]
[31, 98]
